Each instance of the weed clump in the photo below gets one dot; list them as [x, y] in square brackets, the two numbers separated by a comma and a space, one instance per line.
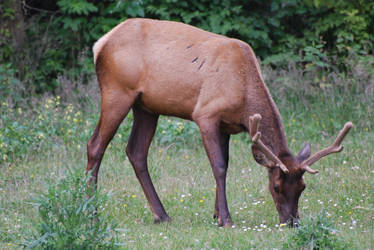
[315, 233]
[68, 219]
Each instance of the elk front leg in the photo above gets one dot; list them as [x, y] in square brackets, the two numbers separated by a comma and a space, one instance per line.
[225, 151]
[142, 132]
[216, 146]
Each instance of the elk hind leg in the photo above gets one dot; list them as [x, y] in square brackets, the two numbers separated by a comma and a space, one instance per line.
[114, 109]
[137, 150]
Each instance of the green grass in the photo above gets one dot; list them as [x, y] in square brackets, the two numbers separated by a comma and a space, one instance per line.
[47, 141]
[344, 190]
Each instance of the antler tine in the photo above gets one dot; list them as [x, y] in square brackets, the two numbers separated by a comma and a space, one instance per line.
[256, 139]
[334, 148]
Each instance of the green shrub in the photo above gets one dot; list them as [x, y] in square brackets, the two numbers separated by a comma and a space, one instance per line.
[57, 36]
[315, 233]
[68, 218]
[47, 123]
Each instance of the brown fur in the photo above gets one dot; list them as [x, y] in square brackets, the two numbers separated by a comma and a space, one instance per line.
[168, 68]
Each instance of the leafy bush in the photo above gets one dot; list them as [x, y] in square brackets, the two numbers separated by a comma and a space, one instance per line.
[58, 35]
[315, 233]
[68, 218]
[57, 122]
[172, 130]
[48, 124]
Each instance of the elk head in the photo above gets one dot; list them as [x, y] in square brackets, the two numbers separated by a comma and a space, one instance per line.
[286, 171]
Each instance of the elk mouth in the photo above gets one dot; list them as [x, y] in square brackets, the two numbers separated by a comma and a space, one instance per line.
[289, 218]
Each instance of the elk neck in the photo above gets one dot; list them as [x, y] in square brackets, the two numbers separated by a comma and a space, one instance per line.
[260, 101]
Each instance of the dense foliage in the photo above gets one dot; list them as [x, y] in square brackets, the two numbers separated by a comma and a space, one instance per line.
[69, 218]
[315, 233]
[42, 40]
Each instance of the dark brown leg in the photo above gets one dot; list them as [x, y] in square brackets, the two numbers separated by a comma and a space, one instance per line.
[225, 150]
[113, 111]
[216, 146]
[141, 136]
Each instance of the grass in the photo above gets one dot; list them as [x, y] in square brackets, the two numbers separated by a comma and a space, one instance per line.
[343, 190]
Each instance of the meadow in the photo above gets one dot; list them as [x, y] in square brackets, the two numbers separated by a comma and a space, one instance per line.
[43, 142]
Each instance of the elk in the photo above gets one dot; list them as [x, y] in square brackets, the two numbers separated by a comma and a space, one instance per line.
[168, 68]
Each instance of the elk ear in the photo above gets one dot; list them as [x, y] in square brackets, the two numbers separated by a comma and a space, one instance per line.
[260, 157]
[304, 153]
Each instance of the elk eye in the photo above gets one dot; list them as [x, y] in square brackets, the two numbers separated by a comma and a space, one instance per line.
[276, 188]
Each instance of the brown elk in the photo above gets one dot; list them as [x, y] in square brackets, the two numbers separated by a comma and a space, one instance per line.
[161, 67]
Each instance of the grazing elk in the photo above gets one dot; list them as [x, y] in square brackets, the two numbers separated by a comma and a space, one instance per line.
[161, 67]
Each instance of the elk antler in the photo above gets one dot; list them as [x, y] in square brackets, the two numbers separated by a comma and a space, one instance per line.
[334, 148]
[256, 139]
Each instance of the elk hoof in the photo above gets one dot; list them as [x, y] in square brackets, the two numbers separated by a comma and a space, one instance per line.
[215, 215]
[165, 218]
[229, 224]
[226, 224]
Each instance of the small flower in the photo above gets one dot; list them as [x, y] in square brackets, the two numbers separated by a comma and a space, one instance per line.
[182, 200]
[75, 120]
[293, 120]
[133, 196]
[234, 141]
[283, 225]
[186, 157]
[124, 205]
[245, 189]
[201, 201]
